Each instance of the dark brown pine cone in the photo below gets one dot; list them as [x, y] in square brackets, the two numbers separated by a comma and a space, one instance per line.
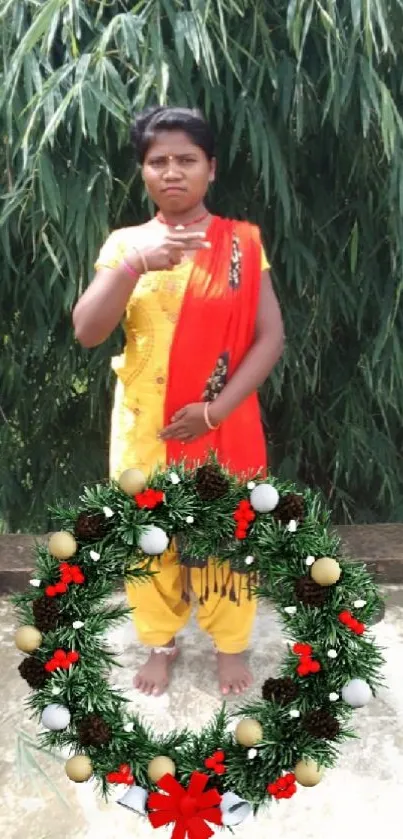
[93, 731]
[46, 614]
[289, 507]
[310, 593]
[282, 691]
[211, 483]
[33, 671]
[321, 724]
[90, 526]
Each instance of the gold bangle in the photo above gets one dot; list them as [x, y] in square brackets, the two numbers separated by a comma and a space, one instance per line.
[142, 257]
[207, 420]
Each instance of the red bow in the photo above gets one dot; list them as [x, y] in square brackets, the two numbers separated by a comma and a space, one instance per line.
[68, 574]
[216, 763]
[149, 499]
[122, 776]
[306, 664]
[284, 787]
[62, 660]
[189, 809]
[352, 623]
[244, 516]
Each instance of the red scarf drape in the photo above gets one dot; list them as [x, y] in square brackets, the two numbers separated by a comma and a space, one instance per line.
[218, 317]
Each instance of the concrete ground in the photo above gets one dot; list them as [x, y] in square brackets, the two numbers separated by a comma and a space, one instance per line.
[362, 797]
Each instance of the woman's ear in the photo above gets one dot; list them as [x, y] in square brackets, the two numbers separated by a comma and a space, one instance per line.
[213, 170]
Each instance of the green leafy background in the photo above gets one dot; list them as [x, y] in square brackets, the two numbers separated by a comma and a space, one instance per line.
[305, 98]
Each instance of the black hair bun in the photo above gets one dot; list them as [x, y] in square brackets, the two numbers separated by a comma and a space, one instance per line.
[140, 124]
[163, 118]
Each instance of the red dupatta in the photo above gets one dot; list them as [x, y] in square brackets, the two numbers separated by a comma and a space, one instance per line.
[217, 321]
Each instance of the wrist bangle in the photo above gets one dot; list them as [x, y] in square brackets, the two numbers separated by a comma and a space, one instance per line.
[132, 271]
[207, 420]
[142, 257]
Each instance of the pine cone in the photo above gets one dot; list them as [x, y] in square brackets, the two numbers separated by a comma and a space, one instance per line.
[90, 526]
[321, 724]
[310, 593]
[289, 507]
[33, 671]
[282, 691]
[211, 483]
[46, 614]
[93, 731]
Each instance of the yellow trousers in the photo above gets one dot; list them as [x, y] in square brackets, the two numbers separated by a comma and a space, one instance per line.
[225, 609]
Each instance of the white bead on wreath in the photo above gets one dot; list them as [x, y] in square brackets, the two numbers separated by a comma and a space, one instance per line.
[196, 781]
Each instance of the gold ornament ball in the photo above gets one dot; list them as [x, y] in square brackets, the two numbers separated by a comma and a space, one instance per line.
[79, 769]
[132, 481]
[28, 639]
[160, 766]
[326, 571]
[308, 773]
[249, 733]
[62, 545]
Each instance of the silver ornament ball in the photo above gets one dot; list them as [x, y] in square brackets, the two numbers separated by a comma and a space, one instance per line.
[264, 498]
[357, 693]
[55, 717]
[153, 541]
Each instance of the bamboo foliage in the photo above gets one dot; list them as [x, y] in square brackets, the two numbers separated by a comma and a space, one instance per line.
[305, 97]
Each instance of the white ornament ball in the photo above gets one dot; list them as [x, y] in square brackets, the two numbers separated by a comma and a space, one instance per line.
[55, 717]
[189, 519]
[153, 541]
[357, 693]
[174, 478]
[334, 697]
[264, 498]
[332, 654]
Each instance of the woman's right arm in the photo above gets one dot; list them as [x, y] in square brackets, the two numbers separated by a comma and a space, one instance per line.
[102, 306]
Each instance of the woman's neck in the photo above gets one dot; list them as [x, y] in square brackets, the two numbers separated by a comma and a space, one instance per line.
[189, 217]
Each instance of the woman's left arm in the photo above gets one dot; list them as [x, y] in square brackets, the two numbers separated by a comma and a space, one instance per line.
[189, 423]
[260, 360]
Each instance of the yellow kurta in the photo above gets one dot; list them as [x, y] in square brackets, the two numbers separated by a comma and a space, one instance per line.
[137, 417]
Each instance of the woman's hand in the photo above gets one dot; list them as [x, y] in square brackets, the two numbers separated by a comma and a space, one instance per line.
[187, 425]
[160, 250]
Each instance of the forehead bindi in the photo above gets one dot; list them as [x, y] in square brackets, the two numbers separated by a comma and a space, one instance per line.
[172, 144]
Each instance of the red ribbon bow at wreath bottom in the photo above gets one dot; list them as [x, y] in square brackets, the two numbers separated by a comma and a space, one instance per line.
[189, 809]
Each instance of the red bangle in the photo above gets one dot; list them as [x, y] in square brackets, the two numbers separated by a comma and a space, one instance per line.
[130, 270]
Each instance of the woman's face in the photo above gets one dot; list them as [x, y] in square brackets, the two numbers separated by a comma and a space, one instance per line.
[176, 172]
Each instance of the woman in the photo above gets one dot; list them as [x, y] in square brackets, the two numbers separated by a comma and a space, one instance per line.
[203, 332]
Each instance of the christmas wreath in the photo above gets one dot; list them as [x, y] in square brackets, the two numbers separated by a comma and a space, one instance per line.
[281, 540]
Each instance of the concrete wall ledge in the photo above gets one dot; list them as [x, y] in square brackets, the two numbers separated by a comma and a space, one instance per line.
[379, 546]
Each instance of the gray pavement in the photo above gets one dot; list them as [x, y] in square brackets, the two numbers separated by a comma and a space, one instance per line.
[362, 797]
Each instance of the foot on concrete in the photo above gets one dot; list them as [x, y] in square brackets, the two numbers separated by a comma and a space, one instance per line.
[234, 675]
[153, 678]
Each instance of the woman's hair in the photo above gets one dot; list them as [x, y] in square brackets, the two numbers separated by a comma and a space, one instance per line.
[147, 125]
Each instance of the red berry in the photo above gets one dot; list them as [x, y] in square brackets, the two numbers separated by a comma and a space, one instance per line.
[50, 591]
[315, 667]
[302, 649]
[59, 655]
[345, 617]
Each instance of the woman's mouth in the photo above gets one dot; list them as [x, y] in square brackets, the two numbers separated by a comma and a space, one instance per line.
[172, 190]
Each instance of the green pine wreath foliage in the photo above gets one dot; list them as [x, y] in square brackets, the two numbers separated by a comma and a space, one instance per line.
[302, 716]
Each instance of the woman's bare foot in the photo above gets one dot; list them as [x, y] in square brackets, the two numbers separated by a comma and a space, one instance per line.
[233, 673]
[153, 678]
